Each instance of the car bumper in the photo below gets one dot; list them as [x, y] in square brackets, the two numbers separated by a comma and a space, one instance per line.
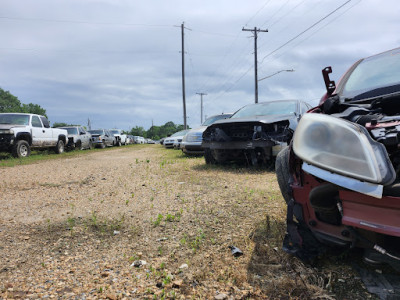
[192, 148]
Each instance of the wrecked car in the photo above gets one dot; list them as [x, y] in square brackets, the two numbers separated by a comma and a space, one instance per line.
[340, 174]
[254, 134]
[191, 142]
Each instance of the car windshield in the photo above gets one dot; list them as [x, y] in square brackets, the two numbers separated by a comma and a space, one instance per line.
[115, 131]
[266, 108]
[213, 119]
[100, 132]
[15, 119]
[378, 71]
[71, 130]
[180, 133]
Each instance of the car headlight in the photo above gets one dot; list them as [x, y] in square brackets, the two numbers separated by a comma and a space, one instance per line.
[342, 147]
[194, 137]
[6, 131]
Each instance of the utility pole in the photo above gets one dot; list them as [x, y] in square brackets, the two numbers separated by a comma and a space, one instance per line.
[201, 107]
[255, 31]
[183, 76]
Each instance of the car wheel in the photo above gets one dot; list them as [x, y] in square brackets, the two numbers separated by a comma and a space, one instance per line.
[90, 145]
[59, 147]
[21, 149]
[78, 145]
[209, 158]
[119, 144]
[103, 145]
[282, 172]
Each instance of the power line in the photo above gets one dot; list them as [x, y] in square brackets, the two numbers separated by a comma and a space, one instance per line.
[265, 4]
[276, 12]
[82, 22]
[318, 30]
[304, 31]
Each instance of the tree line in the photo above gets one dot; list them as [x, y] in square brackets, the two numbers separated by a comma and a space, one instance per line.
[10, 103]
[156, 132]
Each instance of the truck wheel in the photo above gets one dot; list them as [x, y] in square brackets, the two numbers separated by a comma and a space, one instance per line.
[282, 172]
[90, 145]
[119, 144]
[209, 157]
[21, 149]
[103, 145]
[78, 145]
[59, 147]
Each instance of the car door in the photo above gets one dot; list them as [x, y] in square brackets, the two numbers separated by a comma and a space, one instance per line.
[38, 132]
[109, 138]
[84, 137]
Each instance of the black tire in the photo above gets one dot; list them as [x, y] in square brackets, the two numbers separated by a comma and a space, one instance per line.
[209, 158]
[78, 145]
[60, 147]
[90, 145]
[21, 149]
[103, 145]
[119, 144]
[282, 173]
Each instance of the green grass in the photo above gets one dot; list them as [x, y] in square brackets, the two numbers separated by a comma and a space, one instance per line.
[7, 160]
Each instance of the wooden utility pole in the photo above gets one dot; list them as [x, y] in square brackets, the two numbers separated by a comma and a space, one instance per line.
[183, 76]
[255, 31]
[201, 107]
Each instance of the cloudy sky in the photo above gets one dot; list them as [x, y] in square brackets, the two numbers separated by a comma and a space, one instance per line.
[118, 62]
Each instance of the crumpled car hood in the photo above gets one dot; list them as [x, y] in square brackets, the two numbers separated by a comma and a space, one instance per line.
[262, 119]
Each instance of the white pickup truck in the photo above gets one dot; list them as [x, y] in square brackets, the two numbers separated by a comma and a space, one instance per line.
[20, 132]
[120, 137]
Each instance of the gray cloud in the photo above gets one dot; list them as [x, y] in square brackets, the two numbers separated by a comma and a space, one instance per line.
[119, 63]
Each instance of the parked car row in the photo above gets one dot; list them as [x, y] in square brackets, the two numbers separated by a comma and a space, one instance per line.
[20, 132]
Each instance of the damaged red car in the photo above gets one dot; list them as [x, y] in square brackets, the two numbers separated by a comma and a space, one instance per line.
[340, 175]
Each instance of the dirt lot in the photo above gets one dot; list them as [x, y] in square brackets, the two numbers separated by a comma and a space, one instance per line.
[143, 222]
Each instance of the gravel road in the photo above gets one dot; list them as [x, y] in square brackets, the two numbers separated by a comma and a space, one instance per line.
[143, 222]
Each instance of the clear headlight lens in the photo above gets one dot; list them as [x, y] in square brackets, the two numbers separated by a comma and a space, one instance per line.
[342, 147]
[194, 137]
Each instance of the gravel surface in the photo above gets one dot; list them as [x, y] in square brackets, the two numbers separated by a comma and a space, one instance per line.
[143, 222]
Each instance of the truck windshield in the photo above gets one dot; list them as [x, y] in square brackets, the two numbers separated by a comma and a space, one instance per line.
[99, 132]
[71, 130]
[15, 119]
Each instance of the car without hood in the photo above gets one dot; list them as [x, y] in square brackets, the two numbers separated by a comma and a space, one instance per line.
[191, 142]
[102, 138]
[254, 134]
[120, 137]
[340, 175]
[78, 138]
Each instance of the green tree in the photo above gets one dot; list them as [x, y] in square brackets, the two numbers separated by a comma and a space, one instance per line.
[59, 124]
[8, 102]
[138, 131]
[34, 109]
[157, 132]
